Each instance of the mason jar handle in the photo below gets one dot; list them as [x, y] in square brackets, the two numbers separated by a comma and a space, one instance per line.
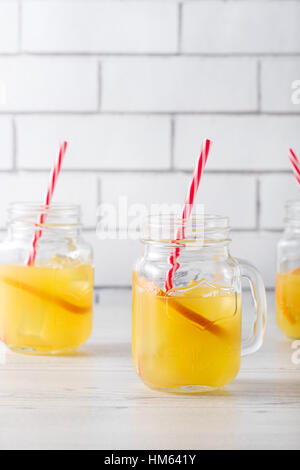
[254, 342]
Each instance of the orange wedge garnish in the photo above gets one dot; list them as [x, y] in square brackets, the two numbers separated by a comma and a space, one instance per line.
[194, 317]
[148, 286]
[46, 296]
[280, 300]
[296, 271]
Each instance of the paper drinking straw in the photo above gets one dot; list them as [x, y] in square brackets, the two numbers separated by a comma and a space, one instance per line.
[187, 209]
[49, 194]
[296, 165]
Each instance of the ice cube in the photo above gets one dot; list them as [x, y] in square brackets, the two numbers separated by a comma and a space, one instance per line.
[61, 262]
[32, 328]
[203, 288]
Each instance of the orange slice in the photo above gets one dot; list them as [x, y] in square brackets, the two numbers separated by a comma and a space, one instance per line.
[296, 272]
[148, 286]
[194, 317]
[46, 296]
[280, 300]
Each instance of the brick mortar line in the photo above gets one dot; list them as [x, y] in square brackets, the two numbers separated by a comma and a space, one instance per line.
[20, 26]
[99, 172]
[258, 204]
[14, 146]
[99, 288]
[179, 26]
[172, 149]
[99, 191]
[170, 114]
[191, 2]
[100, 86]
[163, 55]
[258, 86]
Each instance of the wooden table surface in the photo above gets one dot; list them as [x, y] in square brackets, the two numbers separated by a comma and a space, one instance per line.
[94, 400]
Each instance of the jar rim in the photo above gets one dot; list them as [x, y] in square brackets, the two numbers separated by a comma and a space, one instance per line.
[203, 228]
[293, 212]
[212, 220]
[56, 214]
[38, 207]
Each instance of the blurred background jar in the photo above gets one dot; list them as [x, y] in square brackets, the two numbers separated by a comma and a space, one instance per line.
[288, 274]
[46, 306]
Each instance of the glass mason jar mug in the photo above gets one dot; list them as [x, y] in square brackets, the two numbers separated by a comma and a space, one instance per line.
[46, 308]
[288, 274]
[189, 338]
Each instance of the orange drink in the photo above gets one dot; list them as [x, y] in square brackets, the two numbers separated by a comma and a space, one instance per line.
[288, 273]
[288, 303]
[46, 309]
[189, 338]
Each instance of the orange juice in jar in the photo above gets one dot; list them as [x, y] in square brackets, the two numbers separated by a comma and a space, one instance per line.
[288, 303]
[288, 274]
[46, 308]
[201, 321]
[188, 339]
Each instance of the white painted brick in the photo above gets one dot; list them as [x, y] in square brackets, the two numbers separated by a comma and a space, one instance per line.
[49, 84]
[8, 27]
[239, 142]
[71, 188]
[276, 190]
[114, 260]
[95, 142]
[104, 27]
[277, 76]
[6, 143]
[260, 250]
[179, 84]
[233, 196]
[241, 27]
[146, 189]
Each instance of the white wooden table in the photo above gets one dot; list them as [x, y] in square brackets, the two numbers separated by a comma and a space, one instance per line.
[95, 401]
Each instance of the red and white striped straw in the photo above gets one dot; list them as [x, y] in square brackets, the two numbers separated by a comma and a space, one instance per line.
[49, 194]
[187, 209]
[296, 165]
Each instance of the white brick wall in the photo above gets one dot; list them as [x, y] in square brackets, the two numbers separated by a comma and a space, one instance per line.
[106, 27]
[96, 142]
[276, 190]
[277, 78]
[179, 84]
[218, 193]
[114, 270]
[254, 27]
[6, 133]
[260, 249]
[9, 27]
[239, 142]
[49, 84]
[134, 86]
